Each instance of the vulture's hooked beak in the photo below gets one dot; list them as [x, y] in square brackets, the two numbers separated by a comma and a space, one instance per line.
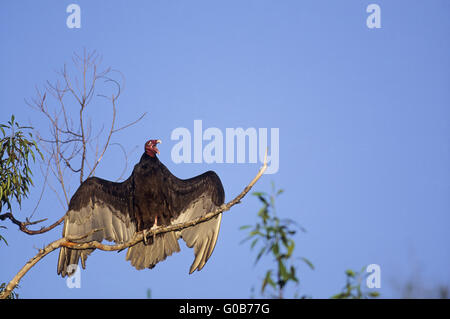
[155, 148]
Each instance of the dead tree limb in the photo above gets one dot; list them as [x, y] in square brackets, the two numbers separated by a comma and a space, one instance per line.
[23, 226]
[68, 144]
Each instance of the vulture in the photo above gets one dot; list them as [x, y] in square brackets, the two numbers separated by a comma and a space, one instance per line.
[152, 196]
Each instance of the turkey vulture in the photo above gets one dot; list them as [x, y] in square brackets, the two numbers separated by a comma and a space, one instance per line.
[150, 197]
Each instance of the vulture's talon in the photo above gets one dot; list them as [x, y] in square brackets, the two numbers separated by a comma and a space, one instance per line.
[155, 224]
[145, 237]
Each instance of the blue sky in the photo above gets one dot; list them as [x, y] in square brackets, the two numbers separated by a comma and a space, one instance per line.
[363, 116]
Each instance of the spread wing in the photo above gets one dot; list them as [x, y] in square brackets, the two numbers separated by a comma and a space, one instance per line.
[197, 197]
[98, 210]
[202, 237]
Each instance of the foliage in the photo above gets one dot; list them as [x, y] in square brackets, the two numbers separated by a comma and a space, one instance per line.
[275, 237]
[353, 289]
[16, 150]
[16, 147]
[415, 286]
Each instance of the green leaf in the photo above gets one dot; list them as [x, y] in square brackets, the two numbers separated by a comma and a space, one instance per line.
[259, 194]
[245, 239]
[350, 273]
[261, 198]
[32, 154]
[282, 268]
[291, 248]
[293, 276]
[262, 212]
[254, 243]
[268, 280]
[308, 262]
[255, 232]
[275, 249]
[261, 252]
[4, 239]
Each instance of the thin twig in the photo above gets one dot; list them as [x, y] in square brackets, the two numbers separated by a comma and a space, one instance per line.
[23, 226]
[130, 124]
[111, 131]
[126, 160]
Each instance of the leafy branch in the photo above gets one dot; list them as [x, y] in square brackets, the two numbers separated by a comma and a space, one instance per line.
[352, 288]
[275, 236]
[16, 150]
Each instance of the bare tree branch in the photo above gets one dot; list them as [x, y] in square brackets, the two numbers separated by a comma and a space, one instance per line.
[111, 131]
[130, 124]
[73, 146]
[23, 226]
[126, 160]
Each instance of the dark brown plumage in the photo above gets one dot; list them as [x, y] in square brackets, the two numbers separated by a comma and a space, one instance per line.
[151, 193]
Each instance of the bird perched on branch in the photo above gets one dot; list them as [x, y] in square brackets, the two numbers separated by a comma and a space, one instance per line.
[152, 196]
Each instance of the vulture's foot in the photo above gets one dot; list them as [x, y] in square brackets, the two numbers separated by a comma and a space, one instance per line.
[145, 237]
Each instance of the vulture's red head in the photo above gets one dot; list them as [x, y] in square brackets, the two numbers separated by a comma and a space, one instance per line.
[150, 147]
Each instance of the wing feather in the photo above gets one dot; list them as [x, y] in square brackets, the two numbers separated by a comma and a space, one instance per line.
[100, 217]
[202, 237]
[147, 256]
[94, 214]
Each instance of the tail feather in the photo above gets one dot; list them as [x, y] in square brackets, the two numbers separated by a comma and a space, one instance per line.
[68, 257]
[147, 256]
